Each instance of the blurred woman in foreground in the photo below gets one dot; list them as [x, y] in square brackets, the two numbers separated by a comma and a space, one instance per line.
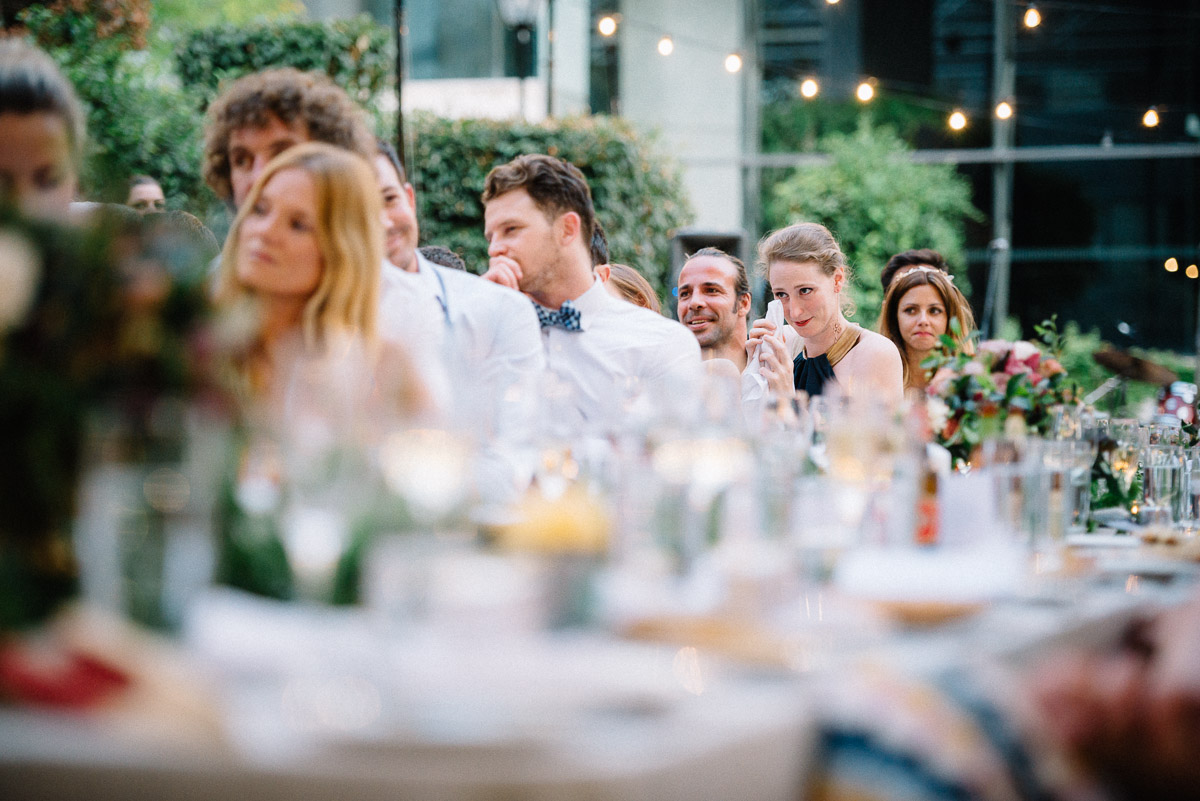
[42, 131]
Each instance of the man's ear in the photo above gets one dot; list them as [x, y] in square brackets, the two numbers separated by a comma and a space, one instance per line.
[570, 227]
[743, 304]
[412, 195]
[603, 272]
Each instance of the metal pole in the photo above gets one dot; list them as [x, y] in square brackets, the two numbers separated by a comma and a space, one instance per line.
[400, 32]
[1196, 375]
[550, 36]
[751, 128]
[1003, 87]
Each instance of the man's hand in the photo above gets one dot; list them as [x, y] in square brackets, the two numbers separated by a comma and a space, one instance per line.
[504, 271]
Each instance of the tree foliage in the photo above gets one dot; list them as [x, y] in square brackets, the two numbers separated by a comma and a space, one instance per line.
[357, 54]
[138, 121]
[638, 191]
[877, 202]
[189, 15]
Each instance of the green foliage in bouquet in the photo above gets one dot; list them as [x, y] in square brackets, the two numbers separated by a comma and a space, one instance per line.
[89, 320]
[982, 390]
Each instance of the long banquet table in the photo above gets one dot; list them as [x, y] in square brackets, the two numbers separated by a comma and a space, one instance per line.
[554, 716]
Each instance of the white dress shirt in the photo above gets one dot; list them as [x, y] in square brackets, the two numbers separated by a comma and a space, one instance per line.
[622, 351]
[485, 339]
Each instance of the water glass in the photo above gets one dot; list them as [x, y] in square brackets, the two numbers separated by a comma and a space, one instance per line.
[1163, 485]
[1070, 465]
[1191, 488]
[1066, 421]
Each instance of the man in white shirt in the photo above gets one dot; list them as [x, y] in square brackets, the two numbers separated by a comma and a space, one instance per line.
[601, 351]
[486, 336]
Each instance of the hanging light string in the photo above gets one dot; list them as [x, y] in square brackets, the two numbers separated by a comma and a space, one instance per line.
[867, 90]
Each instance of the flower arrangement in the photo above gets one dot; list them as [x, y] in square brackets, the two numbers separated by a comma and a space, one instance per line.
[96, 323]
[994, 388]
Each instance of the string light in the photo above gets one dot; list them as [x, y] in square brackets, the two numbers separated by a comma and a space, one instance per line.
[1171, 265]
[809, 88]
[733, 63]
[1150, 118]
[1033, 17]
[1192, 272]
[865, 92]
[666, 46]
[957, 120]
[607, 26]
[831, 2]
[1004, 110]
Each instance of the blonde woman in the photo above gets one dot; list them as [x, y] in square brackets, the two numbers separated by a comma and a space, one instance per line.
[808, 274]
[920, 303]
[306, 247]
[305, 253]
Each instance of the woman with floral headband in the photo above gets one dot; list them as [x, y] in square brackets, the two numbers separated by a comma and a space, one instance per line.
[920, 303]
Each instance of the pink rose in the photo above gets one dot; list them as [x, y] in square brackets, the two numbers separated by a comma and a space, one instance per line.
[1022, 351]
[940, 381]
[994, 347]
[1051, 366]
[974, 368]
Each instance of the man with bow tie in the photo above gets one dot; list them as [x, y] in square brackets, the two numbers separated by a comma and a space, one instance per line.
[602, 352]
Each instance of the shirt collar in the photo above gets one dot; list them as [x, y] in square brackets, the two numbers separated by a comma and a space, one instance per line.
[592, 302]
[425, 269]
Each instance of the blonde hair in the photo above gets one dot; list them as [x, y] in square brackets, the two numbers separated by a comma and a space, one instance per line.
[957, 308]
[802, 243]
[349, 233]
[634, 287]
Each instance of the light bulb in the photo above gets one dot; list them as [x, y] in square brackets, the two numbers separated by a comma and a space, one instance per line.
[1171, 265]
[1033, 17]
[1004, 110]
[809, 88]
[733, 62]
[666, 46]
[1150, 118]
[607, 26]
[958, 120]
[865, 92]
[1191, 271]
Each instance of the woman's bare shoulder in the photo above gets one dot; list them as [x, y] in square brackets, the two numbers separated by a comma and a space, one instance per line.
[877, 346]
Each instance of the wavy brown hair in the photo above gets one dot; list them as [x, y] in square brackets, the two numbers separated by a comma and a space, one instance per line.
[556, 187]
[325, 111]
[955, 303]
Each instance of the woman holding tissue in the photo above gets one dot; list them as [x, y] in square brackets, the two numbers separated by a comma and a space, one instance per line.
[920, 303]
[808, 275]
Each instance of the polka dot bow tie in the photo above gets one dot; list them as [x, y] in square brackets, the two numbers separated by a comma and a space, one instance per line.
[566, 317]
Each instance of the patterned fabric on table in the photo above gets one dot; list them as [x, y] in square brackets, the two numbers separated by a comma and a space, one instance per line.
[887, 737]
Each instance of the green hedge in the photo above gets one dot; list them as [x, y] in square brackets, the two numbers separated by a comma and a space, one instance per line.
[638, 191]
[358, 54]
[138, 120]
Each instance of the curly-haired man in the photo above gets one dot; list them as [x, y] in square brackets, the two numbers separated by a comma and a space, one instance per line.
[263, 114]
